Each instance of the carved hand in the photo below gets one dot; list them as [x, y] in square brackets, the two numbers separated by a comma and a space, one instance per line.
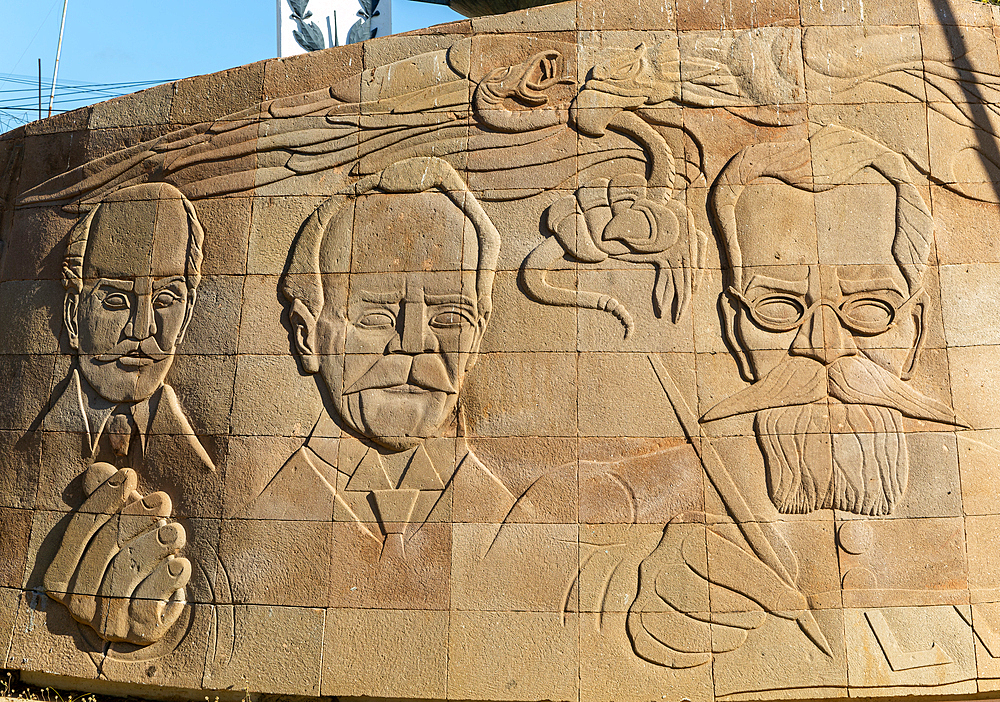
[117, 568]
[669, 621]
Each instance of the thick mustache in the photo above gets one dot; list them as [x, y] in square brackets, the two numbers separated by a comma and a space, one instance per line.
[147, 347]
[852, 379]
[425, 371]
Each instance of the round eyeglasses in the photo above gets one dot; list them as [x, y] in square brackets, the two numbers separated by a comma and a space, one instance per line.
[866, 313]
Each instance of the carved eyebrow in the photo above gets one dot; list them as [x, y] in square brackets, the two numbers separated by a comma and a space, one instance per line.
[449, 300]
[389, 298]
[167, 282]
[114, 283]
[795, 287]
[850, 287]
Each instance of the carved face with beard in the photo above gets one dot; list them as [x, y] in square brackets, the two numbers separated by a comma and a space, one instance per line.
[828, 326]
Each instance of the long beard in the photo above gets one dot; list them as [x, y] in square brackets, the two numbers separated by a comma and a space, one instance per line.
[846, 457]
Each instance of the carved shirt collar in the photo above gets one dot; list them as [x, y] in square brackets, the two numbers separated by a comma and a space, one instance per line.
[365, 467]
[392, 489]
[96, 412]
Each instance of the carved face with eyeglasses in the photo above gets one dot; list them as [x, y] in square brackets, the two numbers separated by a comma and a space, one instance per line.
[825, 312]
[820, 281]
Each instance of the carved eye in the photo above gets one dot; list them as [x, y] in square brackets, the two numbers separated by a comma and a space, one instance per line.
[778, 311]
[448, 318]
[379, 319]
[116, 301]
[165, 298]
[869, 314]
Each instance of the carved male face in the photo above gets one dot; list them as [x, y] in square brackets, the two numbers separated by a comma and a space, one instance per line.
[819, 279]
[827, 327]
[135, 303]
[398, 333]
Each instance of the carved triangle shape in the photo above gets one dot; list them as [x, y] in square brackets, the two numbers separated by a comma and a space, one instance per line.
[394, 507]
[370, 473]
[420, 472]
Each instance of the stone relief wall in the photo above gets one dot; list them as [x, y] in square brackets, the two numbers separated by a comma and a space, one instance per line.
[592, 352]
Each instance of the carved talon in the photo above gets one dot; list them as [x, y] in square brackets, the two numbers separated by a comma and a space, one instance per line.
[610, 304]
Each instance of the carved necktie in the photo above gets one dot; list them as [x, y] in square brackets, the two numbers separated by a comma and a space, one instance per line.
[393, 504]
[121, 426]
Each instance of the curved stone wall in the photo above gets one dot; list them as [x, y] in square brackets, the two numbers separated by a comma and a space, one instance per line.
[599, 351]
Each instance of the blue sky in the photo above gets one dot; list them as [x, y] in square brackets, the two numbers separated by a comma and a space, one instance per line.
[108, 41]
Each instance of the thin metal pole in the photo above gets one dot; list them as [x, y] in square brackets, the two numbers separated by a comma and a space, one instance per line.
[39, 88]
[55, 70]
[277, 6]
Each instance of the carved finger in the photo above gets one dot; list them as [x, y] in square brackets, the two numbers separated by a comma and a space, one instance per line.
[140, 516]
[110, 496]
[134, 519]
[670, 622]
[139, 557]
[96, 510]
[654, 649]
[86, 584]
[158, 601]
[96, 475]
[755, 580]
[130, 566]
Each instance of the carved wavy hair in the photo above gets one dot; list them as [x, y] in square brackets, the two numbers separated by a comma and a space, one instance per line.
[72, 272]
[303, 279]
[827, 159]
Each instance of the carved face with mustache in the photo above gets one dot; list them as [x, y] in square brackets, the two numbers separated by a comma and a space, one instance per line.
[399, 332]
[135, 303]
[829, 330]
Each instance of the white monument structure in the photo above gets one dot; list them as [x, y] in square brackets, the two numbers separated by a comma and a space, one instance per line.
[309, 25]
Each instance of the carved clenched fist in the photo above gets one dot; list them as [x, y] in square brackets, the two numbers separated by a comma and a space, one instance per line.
[117, 568]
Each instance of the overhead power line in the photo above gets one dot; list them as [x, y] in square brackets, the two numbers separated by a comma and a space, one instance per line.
[18, 105]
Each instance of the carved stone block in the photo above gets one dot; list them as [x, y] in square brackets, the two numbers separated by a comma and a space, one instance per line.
[596, 351]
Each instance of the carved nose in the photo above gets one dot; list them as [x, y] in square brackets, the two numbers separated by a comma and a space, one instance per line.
[823, 338]
[144, 320]
[414, 337]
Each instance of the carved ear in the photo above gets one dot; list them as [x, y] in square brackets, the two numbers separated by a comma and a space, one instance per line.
[729, 309]
[304, 331]
[71, 308]
[913, 358]
[188, 313]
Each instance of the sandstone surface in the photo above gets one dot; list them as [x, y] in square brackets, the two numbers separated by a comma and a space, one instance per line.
[597, 351]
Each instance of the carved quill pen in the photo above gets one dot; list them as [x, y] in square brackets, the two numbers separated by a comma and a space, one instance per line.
[738, 508]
